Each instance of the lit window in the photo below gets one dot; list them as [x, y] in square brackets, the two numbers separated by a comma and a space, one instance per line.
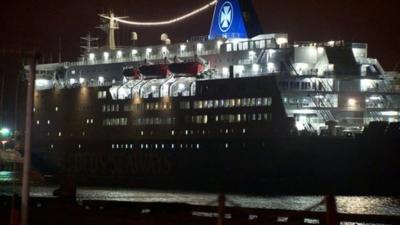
[119, 54]
[101, 80]
[56, 109]
[106, 56]
[48, 122]
[92, 57]
[38, 122]
[172, 132]
[183, 48]
[229, 47]
[200, 47]
[59, 134]
[225, 71]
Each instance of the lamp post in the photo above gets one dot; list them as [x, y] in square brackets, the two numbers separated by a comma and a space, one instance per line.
[28, 131]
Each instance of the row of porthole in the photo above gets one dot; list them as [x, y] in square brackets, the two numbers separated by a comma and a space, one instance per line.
[155, 146]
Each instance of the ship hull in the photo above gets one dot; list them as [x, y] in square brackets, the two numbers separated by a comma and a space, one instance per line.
[281, 166]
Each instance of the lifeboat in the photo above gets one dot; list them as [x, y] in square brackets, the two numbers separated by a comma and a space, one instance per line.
[131, 73]
[158, 70]
[187, 68]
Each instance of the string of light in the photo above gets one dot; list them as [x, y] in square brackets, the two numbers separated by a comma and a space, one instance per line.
[166, 22]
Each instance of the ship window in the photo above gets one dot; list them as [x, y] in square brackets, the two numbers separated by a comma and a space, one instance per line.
[102, 94]
[112, 146]
[232, 102]
[244, 131]
[229, 47]
[172, 132]
[48, 122]
[294, 85]
[216, 105]
[56, 109]
[234, 47]
[226, 145]
[79, 146]
[226, 103]
[264, 101]
[240, 46]
[141, 133]
[305, 85]
[37, 122]
[52, 146]
[245, 46]
[59, 134]
[262, 44]
[259, 101]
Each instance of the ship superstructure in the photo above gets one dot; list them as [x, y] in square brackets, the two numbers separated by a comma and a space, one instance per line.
[319, 81]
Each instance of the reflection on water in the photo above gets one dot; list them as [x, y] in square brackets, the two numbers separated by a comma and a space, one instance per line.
[361, 205]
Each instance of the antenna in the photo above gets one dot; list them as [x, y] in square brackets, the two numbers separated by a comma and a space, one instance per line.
[109, 25]
[90, 43]
[59, 49]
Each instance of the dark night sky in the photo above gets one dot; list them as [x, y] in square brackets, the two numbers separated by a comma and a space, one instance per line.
[38, 24]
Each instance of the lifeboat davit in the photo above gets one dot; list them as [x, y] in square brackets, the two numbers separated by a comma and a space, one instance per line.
[158, 70]
[187, 68]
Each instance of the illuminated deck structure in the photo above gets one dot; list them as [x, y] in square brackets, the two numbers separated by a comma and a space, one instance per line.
[319, 82]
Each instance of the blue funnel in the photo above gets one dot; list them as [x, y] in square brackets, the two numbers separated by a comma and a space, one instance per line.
[235, 19]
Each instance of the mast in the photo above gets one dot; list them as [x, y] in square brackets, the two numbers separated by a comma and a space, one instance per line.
[110, 24]
[90, 43]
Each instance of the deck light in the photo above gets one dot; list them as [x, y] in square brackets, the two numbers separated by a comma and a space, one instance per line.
[352, 102]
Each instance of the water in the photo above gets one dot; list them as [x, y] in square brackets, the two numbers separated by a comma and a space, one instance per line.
[358, 205]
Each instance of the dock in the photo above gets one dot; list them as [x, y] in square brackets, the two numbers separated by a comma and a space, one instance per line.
[50, 211]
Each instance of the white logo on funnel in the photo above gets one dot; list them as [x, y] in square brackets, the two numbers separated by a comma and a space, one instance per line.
[225, 16]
